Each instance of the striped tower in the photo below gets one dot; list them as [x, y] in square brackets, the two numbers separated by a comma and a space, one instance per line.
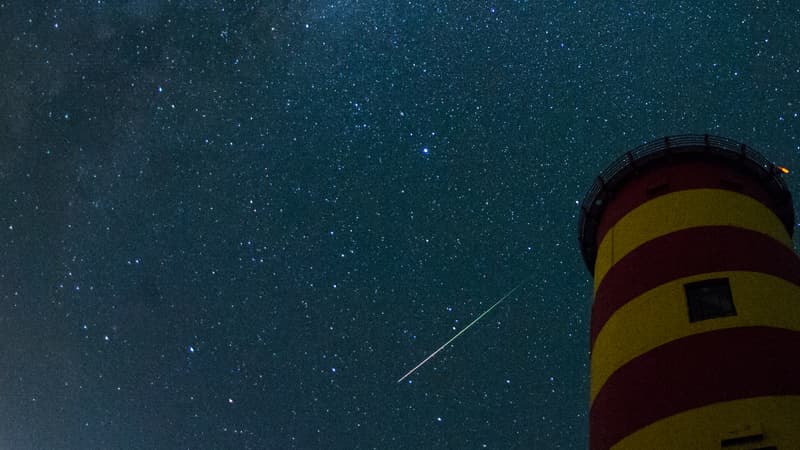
[695, 330]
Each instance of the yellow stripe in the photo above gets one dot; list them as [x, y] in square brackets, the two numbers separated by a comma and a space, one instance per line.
[681, 210]
[706, 427]
[661, 315]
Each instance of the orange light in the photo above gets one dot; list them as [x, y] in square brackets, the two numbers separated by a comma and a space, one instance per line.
[783, 169]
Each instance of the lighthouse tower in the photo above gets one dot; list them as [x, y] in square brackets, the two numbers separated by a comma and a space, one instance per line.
[695, 330]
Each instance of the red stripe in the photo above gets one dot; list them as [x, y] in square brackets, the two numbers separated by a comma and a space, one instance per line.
[680, 176]
[688, 252]
[695, 371]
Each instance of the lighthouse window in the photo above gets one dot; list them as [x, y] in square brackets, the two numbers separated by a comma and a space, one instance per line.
[656, 190]
[744, 440]
[730, 185]
[709, 299]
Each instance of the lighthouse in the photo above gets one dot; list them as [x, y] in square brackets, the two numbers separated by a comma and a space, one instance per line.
[695, 328]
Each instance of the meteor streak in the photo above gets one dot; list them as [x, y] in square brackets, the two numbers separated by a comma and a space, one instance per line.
[464, 329]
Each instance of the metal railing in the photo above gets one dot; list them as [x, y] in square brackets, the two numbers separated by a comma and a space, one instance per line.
[713, 144]
[617, 171]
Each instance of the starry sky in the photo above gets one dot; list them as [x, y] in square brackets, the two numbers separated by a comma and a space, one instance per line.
[235, 224]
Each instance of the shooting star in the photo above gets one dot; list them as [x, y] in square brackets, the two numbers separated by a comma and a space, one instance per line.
[508, 294]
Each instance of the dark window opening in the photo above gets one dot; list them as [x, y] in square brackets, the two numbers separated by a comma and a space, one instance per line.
[730, 185]
[659, 189]
[742, 440]
[709, 299]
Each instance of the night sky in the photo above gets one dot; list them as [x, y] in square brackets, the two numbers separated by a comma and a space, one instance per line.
[235, 224]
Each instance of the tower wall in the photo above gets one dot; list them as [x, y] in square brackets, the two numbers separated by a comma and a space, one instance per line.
[695, 330]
